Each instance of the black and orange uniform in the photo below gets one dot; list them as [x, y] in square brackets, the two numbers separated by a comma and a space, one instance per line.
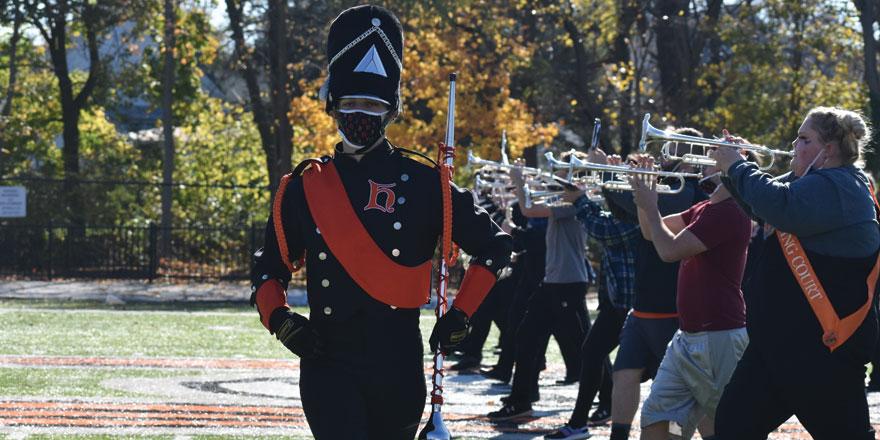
[800, 360]
[365, 223]
[372, 350]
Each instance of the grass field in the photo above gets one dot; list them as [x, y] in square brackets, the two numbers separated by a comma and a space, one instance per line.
[76, 351]
[87, 370]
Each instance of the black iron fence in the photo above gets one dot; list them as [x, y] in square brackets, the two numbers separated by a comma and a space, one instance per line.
[51, 251]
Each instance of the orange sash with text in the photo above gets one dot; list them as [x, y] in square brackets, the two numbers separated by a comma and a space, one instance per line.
[836, 331]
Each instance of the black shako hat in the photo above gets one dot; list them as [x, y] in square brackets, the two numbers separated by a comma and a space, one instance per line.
[365, 54]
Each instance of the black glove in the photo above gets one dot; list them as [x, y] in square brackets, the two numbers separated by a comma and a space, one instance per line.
[296, 333]
[449, 331]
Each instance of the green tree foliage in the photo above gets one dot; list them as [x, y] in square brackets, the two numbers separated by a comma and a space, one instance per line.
[535, 68]
[218, 143]
[784, 57]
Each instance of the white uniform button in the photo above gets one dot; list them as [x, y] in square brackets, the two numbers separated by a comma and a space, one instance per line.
[325, 282]
[265, 277]
[317, 231]
[322, 256]
[401, 200]
[564, 304]
[488, 262]
[395, 252]
[404, 177]
[328, 310]
[393, 307]
[397, 225]
[376, 22]
[253, 288]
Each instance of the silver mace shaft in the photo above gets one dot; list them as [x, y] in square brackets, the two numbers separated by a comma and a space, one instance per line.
[435, 429]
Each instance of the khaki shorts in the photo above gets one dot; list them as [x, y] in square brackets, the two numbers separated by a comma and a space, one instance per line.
[692, 377]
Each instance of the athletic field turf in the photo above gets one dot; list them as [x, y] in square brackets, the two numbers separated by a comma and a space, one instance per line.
[87, 370]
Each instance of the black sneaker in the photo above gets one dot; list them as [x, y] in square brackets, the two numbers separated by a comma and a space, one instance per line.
[497, 374]
[534, 398]
[567, 381]
[569, 433]
[599, 417]
[466, 363]
[508, 412]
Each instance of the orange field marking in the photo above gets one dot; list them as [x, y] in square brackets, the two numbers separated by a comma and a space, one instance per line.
[76, 361]
[145, 415]
[77, 406]
[34, 421]
[99, 361]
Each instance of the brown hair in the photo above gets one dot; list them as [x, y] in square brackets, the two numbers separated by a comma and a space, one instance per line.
[578, 154]
[846, 128]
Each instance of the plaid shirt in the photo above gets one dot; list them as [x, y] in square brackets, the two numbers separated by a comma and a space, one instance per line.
[620, 240]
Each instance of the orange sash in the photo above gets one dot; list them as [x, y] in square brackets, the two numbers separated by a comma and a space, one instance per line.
[382, 278]
[835, 330]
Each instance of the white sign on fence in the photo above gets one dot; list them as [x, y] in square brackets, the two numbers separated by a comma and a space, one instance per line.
[13, 201]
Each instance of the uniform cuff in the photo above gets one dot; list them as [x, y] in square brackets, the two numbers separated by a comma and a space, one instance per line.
[270, 296]
[477, 282]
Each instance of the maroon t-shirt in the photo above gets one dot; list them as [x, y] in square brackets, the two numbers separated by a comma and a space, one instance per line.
[709, 293]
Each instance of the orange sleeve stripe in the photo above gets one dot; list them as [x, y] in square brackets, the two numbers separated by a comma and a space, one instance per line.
[270, 296]
[477, 282]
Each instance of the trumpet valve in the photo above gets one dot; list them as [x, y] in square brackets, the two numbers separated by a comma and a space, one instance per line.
[698, 160]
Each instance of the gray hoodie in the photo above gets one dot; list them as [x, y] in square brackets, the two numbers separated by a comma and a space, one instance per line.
[830, 210]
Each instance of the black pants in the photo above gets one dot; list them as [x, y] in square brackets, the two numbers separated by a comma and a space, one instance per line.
[369, 385]
[827, 395]
[516, 311]
[560, 309]
[603, 337]
[495, 309]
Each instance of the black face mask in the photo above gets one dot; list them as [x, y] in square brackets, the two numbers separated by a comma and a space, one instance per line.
[360, 129]
[708, 184]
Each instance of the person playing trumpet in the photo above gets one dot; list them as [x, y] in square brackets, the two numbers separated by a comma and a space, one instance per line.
[557, 306]
[653, 320]
[620, 240]
[814, 320]
[710, 239]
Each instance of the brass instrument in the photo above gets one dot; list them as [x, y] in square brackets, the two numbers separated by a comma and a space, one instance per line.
[595, 174]
[534, 176]
[651, 134]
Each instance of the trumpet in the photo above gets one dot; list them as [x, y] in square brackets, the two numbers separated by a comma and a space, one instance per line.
[652, 134]
[596, 173]
[551, 195]
[535, 174]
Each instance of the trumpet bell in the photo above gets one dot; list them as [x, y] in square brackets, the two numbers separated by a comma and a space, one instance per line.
[649, 133]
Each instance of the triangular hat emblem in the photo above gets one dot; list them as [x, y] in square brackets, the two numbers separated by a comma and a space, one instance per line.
[371, 63]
